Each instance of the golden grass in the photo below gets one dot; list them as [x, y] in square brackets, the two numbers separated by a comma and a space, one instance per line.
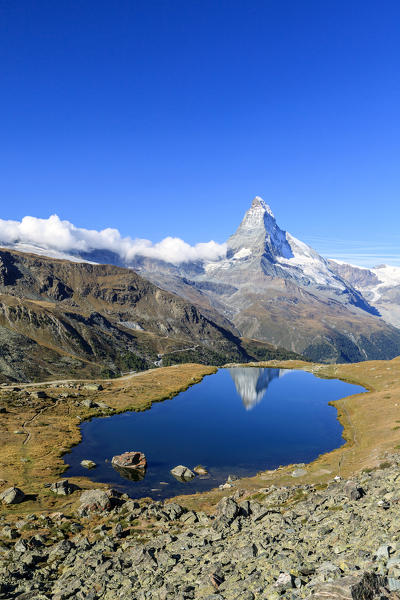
[369, 419]
[49, 428]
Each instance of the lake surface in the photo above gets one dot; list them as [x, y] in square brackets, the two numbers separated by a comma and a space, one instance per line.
[238, 421]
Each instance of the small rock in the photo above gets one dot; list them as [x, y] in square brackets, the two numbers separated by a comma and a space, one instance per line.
[21, 546]
[182, 473]
[284, 581]
[38, 394]
[200, 470]
[216, 579]
[88, 464]
[189, 517]
[93, 387]
[393, 584]
[173, 510]
[88, 403]
[352, 491]
[9, 532]
[131, 465]
[383, 551]
[63, 487]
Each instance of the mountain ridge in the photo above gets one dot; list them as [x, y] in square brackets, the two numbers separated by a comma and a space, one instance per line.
[81, 319]
[275, 288]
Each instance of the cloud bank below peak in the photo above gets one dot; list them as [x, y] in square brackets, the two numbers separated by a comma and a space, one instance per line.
[62, 236]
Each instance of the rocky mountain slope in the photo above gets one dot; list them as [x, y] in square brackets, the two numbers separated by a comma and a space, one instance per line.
[271, 287]
[380, 286]
[275, 288]
[59, 317]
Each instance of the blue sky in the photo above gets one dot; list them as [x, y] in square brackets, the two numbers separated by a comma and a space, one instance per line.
[167, 117]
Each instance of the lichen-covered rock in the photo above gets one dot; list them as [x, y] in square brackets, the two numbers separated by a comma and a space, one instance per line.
[12, 495]
[227, 509]
[95, 501]
[366, 586]
[353, 491]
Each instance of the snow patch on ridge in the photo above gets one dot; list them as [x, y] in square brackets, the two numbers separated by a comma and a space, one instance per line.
[311, 264]
[243, 253]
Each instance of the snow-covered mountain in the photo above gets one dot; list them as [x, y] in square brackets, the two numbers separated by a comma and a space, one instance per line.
[259, 239]
[267, 284]
[379, 285]
[275, 288]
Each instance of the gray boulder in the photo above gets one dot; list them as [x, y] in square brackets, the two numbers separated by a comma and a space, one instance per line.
[227, 509]
[95, 501]
[12, 495]
[182, 473]
[353, 491]
[93, 387]
[63, 487]
[366, 586]
[174, 510]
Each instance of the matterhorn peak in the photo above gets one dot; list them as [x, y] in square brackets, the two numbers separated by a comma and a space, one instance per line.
[259, 234]
[260, 204]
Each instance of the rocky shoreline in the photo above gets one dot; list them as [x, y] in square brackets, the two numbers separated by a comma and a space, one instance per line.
[337, 541]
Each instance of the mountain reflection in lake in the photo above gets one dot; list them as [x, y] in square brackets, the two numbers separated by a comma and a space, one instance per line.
[211, 424]
[252, 383]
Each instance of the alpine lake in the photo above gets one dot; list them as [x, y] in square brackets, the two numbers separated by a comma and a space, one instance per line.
[237, 422]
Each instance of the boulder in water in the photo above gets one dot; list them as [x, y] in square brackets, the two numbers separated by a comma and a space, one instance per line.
[182, 473]
[131, 465]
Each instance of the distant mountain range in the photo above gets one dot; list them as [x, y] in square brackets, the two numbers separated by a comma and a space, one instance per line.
[264, 285]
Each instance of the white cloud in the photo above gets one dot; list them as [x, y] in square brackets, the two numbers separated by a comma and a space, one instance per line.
[62, 236]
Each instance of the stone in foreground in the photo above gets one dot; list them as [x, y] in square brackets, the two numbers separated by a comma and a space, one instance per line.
[12, 495]
[96, 501]
[131, 465]
[367, 586]
[182, 473]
